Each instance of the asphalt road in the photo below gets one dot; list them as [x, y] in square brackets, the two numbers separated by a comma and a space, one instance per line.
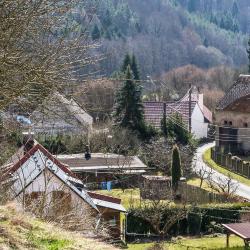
[201, 167]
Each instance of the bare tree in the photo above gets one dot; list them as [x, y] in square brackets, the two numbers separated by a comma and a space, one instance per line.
[40, 49]
[226, 186]
[204, 173]
[156, 212]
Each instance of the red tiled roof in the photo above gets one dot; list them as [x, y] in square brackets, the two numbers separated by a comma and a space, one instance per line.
[153, 111]
[104, 197]
[46, 153]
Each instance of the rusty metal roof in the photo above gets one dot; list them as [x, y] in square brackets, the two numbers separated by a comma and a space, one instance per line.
[240, 229]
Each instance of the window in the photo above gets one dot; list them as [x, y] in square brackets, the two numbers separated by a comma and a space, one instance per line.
[245, 124]
[225, 122]
[230, 123]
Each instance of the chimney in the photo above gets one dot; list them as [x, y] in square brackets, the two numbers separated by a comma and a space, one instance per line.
[28, 141]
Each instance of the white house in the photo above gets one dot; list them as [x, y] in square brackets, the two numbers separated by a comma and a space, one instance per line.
[34, 175]
[201, 116]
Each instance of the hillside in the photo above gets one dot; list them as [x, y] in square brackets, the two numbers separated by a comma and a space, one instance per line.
[20, 231]
[166, 34]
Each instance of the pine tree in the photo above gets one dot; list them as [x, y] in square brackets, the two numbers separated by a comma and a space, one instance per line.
[96, 33]
[126, 62]
[192, 5]
[129, 108]
[205, 43]
[248, 52]
[135, 68]
[235, 9]
[176, 170]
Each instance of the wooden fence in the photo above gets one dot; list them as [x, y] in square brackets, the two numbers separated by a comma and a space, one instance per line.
[232, 163]
[193, 194]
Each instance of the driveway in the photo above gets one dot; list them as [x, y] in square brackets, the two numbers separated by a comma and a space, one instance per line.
[198, 165]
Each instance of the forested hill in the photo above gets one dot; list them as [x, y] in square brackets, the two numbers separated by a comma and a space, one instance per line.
[164, 34]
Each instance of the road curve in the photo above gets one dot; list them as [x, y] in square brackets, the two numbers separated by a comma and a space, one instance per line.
[198, 164]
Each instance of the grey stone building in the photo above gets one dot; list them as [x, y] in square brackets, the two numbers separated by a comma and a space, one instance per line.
[232, 118]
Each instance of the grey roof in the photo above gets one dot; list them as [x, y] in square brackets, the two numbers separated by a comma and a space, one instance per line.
[103, 162]
[239, 89]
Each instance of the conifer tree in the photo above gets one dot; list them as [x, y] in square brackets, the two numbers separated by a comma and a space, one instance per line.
[129, 108]
[126, 62]
[192, 5]
[176, 170]
[135, 68]
[248, 52]
[96, 33]
[235, 9]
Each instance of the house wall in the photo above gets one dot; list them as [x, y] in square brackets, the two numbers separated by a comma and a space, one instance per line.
[199, 127]
[47, 184]
[238, 139]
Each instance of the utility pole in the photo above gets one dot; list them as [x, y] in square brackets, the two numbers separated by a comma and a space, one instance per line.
[190, 109]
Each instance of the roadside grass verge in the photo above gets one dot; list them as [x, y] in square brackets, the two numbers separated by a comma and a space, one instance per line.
[208, 160]
[204, 243]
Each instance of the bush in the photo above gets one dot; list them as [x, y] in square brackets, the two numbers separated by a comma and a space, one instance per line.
[203, 219]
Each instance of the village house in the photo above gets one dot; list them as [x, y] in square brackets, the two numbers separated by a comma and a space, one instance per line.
[232, 118]
[101, 168]
[38, 180]
[201, 116]
[58, 115]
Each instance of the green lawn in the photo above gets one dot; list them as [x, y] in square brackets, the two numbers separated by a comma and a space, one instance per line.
[201, 243]
[207, 159]
[130, 197]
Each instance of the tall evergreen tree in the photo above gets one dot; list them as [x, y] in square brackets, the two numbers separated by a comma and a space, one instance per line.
[176, 170]
[192, 5]
[135, 68]
[96, 33]
[248, 52]
[235, 9]
[129, 108]
[126, 62]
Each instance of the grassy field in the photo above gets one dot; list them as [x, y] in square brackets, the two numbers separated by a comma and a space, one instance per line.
[207, 159]
[20, 231]
[130, 197]
[202, 243]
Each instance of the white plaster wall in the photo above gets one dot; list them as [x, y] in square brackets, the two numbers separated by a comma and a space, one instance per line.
[199, 127]
[47, 182]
